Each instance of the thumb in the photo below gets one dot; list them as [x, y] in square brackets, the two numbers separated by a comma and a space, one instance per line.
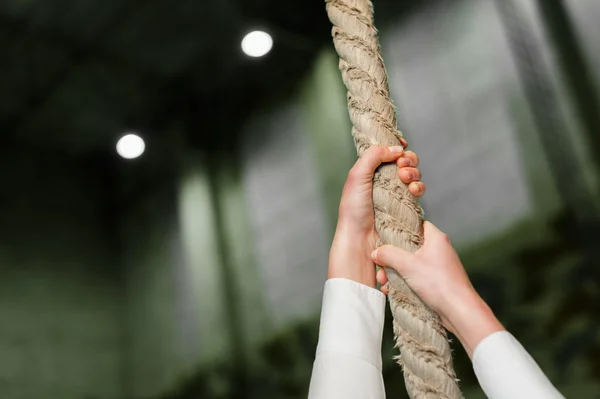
[395, 258]
[433, 236]
[376, 155]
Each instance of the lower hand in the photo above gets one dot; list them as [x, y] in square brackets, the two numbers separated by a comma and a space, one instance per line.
[436, 274]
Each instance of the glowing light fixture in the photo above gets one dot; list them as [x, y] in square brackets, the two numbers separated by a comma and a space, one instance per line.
[257, 43]
[130, 146]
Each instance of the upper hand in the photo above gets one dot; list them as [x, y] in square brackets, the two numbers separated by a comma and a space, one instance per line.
[355, 237]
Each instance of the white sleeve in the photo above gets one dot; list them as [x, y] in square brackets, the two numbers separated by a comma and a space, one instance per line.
[506, 371]
[348, 360]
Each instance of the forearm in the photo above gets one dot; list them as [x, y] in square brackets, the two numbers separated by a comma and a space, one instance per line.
[503, 367]
[472, 320]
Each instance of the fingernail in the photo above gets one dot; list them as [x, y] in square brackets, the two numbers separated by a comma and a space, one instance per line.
[405, 162]
[411, 175]
[396, 149]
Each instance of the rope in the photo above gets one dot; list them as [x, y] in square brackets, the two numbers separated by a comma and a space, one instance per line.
[425, 354]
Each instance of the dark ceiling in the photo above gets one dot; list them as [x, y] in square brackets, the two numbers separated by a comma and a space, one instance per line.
[76, 74]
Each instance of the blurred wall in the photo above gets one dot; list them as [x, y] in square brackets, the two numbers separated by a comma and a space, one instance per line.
[585, 14]
[60, 282]
[461, 104]
[267, 239]
[216, 237]
[189, 273]
[295, 158]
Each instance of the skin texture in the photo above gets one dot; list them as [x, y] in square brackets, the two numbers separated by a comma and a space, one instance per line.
[434, 272]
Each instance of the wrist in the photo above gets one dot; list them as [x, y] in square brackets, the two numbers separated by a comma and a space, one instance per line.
[472, 320]
[350, 258]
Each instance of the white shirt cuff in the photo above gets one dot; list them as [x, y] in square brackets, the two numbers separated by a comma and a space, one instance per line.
[352, 321]
[505, 370]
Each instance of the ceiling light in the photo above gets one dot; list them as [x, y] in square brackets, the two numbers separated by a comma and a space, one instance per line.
[130, 146]
[257, 43]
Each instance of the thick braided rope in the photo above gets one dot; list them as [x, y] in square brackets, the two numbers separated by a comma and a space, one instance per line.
[425, 354]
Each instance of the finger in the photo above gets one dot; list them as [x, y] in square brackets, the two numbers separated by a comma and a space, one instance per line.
[408, 158]
[385, 290]
[403, 142]
[417, 188]
[393, 257]
[372, 158]
[408, 175]
[381, 277]
[404, 162]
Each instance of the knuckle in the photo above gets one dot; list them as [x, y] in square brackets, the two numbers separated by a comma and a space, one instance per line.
[415, 187]
[445, 237]
[374, 149]
[413, 156]
[409, 174]
[353, 174]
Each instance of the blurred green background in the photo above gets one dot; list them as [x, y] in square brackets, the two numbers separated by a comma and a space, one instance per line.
[196, 270]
